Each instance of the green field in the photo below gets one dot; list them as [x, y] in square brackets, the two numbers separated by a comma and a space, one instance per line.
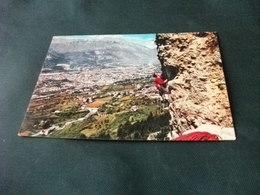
[115, 119]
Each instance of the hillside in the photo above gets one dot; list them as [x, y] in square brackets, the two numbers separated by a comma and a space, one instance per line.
[106, 52]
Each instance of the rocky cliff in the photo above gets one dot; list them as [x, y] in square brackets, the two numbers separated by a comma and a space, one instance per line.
[198, 95]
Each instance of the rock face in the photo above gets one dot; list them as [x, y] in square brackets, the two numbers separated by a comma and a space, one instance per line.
[198, 94]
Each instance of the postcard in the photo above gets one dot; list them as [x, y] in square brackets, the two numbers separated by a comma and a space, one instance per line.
[148, 87]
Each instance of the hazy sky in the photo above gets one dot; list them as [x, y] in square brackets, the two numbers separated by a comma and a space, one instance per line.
[142, 39]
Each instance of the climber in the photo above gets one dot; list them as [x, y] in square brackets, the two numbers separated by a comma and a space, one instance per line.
[160, 84]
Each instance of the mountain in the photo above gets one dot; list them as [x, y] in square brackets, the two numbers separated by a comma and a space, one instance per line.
[104, 52]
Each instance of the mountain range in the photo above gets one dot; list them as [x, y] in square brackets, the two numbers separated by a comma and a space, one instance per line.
[102, 52]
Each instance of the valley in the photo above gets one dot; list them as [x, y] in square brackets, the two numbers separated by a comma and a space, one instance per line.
[123, 110]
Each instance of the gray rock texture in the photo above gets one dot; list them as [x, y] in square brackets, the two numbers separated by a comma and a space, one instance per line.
[193, 66]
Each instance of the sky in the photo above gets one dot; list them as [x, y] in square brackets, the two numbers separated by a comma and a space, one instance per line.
[142, 39]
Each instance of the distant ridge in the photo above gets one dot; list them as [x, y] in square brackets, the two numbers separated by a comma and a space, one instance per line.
[104, 52]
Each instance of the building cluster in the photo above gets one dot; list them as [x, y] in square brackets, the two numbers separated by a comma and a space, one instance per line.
[88, 79]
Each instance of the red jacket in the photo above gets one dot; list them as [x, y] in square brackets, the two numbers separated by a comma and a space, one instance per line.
[159, 81]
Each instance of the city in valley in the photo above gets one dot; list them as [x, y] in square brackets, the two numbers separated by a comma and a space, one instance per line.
[97, 103]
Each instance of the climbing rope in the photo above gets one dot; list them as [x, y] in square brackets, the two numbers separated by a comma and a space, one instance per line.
[198, 136]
